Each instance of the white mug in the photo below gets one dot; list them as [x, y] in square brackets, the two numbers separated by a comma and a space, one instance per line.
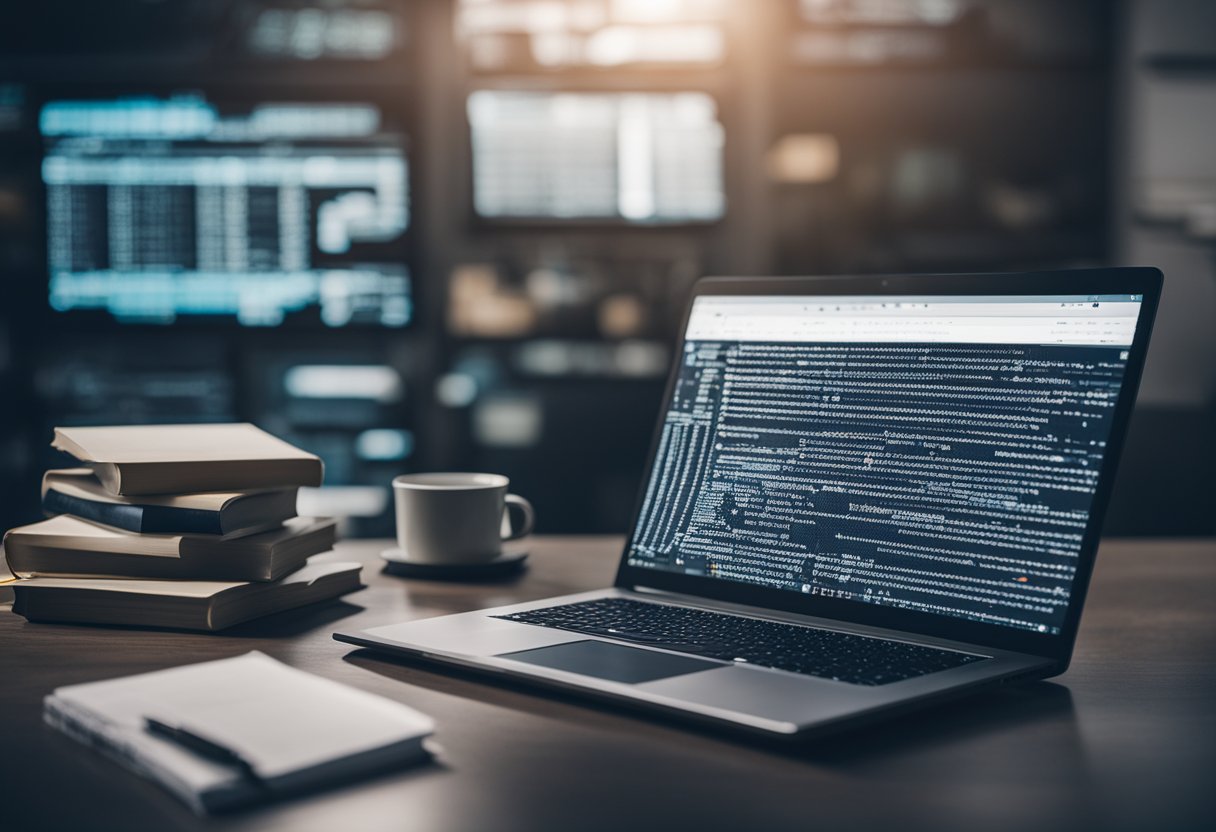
[456, 519]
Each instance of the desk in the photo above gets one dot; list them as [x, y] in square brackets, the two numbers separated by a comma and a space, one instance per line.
[1126, 739]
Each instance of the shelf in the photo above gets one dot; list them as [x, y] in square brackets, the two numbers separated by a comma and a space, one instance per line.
[1181, 65]
[1028, 68]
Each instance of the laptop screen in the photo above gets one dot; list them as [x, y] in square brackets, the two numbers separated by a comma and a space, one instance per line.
[931, 453]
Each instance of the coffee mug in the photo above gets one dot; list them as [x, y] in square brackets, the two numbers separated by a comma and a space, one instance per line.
[456, 519]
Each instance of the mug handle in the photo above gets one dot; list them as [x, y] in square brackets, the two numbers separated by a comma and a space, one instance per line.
[525, 510]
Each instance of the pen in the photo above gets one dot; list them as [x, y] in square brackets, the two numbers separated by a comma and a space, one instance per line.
[203, 747]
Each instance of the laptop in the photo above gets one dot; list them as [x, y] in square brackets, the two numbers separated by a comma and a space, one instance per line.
[864, 495]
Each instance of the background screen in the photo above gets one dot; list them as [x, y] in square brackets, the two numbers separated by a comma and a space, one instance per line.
[165, 207]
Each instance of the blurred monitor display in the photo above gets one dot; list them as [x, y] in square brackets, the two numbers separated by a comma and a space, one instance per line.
[878, 32]
[558, 35]
[333, 31]
[166, 208]
[631, 157]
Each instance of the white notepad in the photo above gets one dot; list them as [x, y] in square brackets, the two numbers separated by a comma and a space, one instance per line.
[291, 730]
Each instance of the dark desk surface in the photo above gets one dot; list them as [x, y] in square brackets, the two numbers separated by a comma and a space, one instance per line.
[1126, 739]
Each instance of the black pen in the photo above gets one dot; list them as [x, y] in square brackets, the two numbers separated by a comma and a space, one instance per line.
[203, 747]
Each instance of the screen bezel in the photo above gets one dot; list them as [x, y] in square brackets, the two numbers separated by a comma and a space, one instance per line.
[1058, 646]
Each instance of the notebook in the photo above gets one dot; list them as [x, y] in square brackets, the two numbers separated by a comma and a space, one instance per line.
[186, 459]
[186, 605]
[285, 730]
[67, 545]
[227, 513]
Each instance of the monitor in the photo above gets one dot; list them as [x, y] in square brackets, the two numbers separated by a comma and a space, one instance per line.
[507, 37]
[164, 208]
[618, 157]
[939, 454]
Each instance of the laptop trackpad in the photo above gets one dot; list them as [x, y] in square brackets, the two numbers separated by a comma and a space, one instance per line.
[613, 662]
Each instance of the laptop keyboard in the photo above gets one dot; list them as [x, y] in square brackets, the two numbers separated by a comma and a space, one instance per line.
[842, 657]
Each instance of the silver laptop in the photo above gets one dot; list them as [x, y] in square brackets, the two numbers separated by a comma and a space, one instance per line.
[864, 494]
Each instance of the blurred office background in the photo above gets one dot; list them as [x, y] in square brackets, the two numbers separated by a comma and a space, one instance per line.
[456, 234]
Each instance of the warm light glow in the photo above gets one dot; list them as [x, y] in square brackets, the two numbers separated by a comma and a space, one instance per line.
[804, 159]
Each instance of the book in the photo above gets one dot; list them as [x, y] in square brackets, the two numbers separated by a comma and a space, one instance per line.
[230, 514]
[67, 545]
[185, 605]
[287, 732]
[187, 459]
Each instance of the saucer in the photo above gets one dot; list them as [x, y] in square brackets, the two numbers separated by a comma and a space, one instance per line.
[508, 563]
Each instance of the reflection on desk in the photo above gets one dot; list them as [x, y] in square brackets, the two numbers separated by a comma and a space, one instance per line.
[1124, 740]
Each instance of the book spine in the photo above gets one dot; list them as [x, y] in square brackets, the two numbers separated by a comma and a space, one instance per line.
[138, 478]
[140, 519]
[130, 518]
[176, 520]
[37, 562]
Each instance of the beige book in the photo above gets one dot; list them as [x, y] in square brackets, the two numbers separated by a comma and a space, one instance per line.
[185, 459]
[67, 545]
[188, 605]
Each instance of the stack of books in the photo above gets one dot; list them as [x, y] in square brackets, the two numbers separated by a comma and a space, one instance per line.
[185, 526]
